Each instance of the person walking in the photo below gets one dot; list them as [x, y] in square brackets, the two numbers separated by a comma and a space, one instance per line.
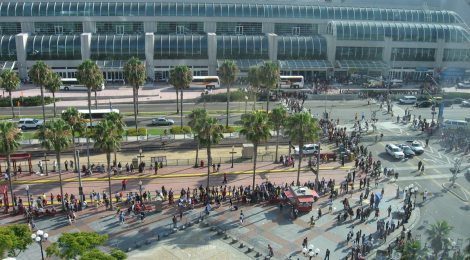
[242, 216]
[121, 217]
[327, 255]
[420, 163]
[305, 243]
[270, 251]
[66, 164]
[422, 170]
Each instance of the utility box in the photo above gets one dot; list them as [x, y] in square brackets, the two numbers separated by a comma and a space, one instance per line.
[135, 163]
[247, 151]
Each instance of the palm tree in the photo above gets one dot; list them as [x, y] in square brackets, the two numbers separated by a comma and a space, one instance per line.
[56, 136]
[91, 76]
[197, 119]
[77, 124]
[181, 77]
[438, 233]
[107, 139]
[228, 74]
[278, 117]
[269, 76]
[302, 128]
[134, 74]
[413, 250]
[39, 74]
[254, 81]
[118, 121]
[257, 129]
[53, 84]
[209, 134]
[10, 82]
[9, 137]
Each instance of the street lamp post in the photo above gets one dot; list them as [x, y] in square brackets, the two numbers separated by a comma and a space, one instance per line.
[80, 186]
[140, 189]
[232, 153]
[27, 194]
[246, 103]
[45, 163]
[39, 237]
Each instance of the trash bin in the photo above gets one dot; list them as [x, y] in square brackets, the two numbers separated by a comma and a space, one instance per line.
[135, 163]
[158, 204]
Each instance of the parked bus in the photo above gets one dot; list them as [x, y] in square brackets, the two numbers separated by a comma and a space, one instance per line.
[291, 82]
[209, 82]
[72, 84]
[96, 115]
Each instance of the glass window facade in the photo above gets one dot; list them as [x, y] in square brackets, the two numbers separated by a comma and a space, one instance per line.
[242, 47]
[7, 48]
[302, 48]
[10, 28]
[239, 28]
[117, 47]
[180, 47]
[456, 55]
[44, 8]
[359, 53]
[180, 28]
[119, 27]
[413, 54]
[371, 31]
[62, 28]
[295, 29]
[53, 47]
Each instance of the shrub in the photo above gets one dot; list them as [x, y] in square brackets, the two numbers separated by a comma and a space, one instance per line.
[141, 131]
[177, 130]
[222, 97]
[229, 129]
[26, 101]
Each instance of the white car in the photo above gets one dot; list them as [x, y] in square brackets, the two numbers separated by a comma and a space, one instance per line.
[308, 149]
[162, 121]
[416, 147]
[26, 123]
[465, 84]
[394, 151]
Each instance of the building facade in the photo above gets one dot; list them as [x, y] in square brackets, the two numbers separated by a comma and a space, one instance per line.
[314, 39]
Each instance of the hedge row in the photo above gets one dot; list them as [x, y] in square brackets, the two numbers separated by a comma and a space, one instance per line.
[222, 97]
[177, 130]
[26, 101]
[140, 131]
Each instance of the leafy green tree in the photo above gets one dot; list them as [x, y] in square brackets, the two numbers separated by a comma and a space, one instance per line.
[9, 137]
[118, 121]
[438, 234]
[228, 75]
[77, 124]
[53, 84]
[413, 250]
[91, 76]
[134, 74]
[108, 140]
[56, 136]
[181, 77]
[197, 119]
[94, 254]
[269, 76]
[10, 82]
[302, 128]
[118, 254]
[254, 81]
[14, 239]
[210, 133]
[72, 245]
[39, 74]
[257, 129]
[278, 117]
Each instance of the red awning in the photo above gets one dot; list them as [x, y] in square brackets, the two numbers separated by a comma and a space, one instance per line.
[305, 199]
[315, 194]
[288, 194]
[16, 156]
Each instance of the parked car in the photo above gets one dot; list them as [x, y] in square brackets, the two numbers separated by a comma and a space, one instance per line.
[465, 84]
[29, 123]
[465, 103]
[308, 149]
[162, 121]
[416, 147]
[394, 151]
[408, 100]
[407, 150]
[425, 103]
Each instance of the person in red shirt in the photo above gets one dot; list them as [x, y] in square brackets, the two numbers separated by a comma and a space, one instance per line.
[52, 198]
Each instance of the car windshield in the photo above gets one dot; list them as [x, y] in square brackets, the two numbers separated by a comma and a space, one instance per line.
[395, 149]
[35, 121]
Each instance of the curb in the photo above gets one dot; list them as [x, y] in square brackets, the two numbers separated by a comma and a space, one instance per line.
[451, 191]
[187, 175]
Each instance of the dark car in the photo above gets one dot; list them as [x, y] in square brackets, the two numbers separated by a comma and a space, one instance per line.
[425, 103]
[465, 103]
[407, 150]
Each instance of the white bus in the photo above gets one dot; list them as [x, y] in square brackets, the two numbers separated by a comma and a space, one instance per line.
[72, 84]
[291, 81]
[209, 82]
[96, 114]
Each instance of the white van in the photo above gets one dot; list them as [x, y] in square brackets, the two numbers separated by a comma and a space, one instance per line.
[455, 124]
[409, 100]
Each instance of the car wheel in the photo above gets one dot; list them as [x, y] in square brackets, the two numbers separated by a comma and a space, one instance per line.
[23, 127]
[66, 89]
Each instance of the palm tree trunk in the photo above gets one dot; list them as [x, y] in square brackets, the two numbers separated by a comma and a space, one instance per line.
[267, 101]
[197, 154]
[53, 99]
[43, 108]
[228, 104]
[60, 179]
[255, 158]
[86, 130]
[108, 161]
[181, 103]
[277, 146]
[9, 181]
[11, 104]
[254, 101]
[96, 101]
[300, 162]
[209, 162]
[135, 110]
[177, 103]
[137, 98]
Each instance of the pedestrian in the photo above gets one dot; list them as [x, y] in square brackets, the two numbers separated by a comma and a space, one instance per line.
[156, 168]
[422, 170]
[305, 243]
[420, 163]
[213, 167]
[218, 167]
[66, 164]
[175, 221]
[312, 221]
[327, 255]
[142, 216]
[427, 142]
[389, 210]
[123, 184]
[242, 216]
[225, 178]
[270, 251]
[121, 217]
[319, 213]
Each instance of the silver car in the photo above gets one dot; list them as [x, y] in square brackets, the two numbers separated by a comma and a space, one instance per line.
[162, 121]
